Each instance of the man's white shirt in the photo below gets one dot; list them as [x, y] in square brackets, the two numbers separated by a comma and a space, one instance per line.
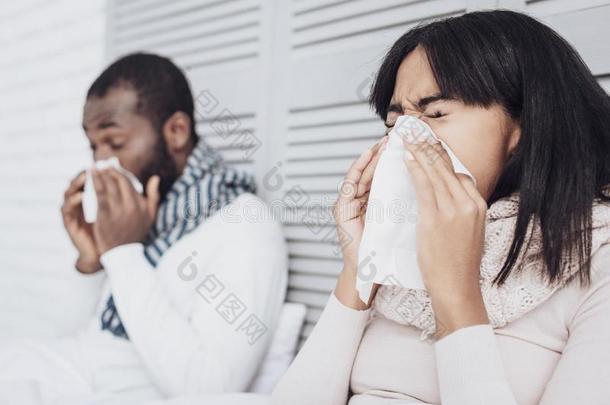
[199, 322]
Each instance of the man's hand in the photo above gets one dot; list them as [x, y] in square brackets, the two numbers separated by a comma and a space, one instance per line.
[80, 232]
[123, 215]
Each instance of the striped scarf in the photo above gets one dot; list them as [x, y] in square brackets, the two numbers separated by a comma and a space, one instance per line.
[204, 187]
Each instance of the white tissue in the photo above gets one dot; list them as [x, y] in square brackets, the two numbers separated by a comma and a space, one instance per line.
[89, 196]
[387, 252]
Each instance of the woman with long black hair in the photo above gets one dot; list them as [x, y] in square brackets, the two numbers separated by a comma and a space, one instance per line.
[516, 308]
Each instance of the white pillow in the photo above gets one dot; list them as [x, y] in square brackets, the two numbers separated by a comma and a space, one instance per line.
[282, 349]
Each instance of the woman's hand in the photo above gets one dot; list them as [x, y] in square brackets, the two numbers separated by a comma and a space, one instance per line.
[450, 235]
[349, 212]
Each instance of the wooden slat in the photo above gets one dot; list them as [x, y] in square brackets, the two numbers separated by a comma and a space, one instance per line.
[313, 250]
[304, 233]
[586, 30]
[342, 11]
[544, 8]
[215, 29]
[129, 12]
[327, 131]
[364, 23]
[316, 266]
[311, 283]
[312, 299]
[332, 166]
[309, 6]
[338, 149]
[198, 14]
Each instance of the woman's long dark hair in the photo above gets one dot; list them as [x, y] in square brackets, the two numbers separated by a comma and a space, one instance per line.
[562, 161]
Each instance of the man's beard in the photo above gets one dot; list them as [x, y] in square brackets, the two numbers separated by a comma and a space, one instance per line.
[161, 164]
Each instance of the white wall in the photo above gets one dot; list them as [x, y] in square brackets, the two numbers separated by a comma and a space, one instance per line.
[51, 51]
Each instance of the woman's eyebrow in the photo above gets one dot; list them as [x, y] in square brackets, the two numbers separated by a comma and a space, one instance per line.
[424, 101]
[421, 104]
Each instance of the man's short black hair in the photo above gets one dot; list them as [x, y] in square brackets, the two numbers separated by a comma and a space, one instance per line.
[161, 87]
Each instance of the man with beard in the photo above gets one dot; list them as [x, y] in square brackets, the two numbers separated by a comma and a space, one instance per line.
[194, 283]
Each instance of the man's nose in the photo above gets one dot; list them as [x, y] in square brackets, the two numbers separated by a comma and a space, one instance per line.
[102, 153]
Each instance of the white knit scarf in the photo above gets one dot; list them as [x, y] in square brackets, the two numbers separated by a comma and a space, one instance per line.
[521, 292]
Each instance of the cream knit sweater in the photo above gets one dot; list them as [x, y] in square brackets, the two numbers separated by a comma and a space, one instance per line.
[556, 354]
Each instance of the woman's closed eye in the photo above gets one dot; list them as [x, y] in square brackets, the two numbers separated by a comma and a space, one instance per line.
[434, 114]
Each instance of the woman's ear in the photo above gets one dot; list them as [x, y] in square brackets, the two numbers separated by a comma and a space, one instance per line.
[177, 132]
[513, 137]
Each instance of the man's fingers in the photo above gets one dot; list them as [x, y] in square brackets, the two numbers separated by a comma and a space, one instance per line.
[112, 188]
[72, 202]
[76, 184]
[98, 184]
[100, 189]
[152, 195]
[71, 208]
[125, 191]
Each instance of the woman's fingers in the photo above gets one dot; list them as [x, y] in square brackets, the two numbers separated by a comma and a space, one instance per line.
[347, 211]
[447, 172]
[424, 189]
[461, 186]
[448, 189]
[367, 176]
[348, 189]
[473, 192]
